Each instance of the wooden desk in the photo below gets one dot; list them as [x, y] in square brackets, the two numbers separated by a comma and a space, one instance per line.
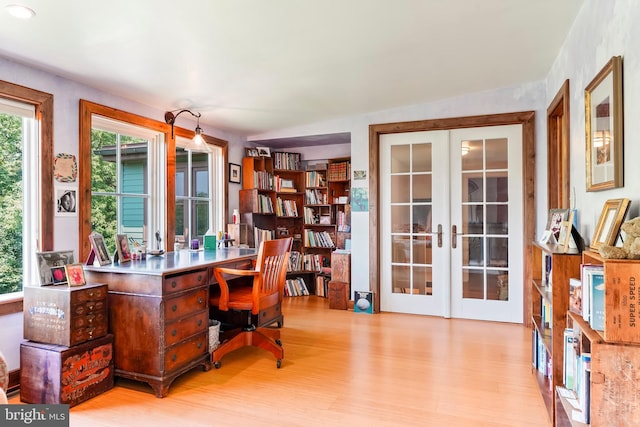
[159, 312]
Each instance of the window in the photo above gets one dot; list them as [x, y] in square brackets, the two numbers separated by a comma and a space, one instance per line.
[26, 123]
[133, 179]
[196, 187]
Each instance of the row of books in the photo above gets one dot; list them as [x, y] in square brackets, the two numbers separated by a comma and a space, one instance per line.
[284, 185]
[586, 295]
[265, 205]
[317, 216]
[540, 358]
[286, 207]
[315, 197]
[321, 239]
[339, 171]
[322, 286]
[315, 179]
[260, 234]
[577, 376]
[307, 262]
[262, 180]
[342, 221]
[295, 287]
[288, 161]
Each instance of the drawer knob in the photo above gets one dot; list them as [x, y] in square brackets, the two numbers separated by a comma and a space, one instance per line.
[200, 300]
[174, 284]
[174, 357]
[199, 277]
[174, 307]
[199, 322]
[199, 345]
[174, 333]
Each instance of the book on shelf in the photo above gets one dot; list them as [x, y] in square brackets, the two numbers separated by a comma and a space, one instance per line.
[587, 273]
[287, 161]
[575, 295]
[296, 287]
[260, 234]
[596, 300]
[583, 376]
[569, 359]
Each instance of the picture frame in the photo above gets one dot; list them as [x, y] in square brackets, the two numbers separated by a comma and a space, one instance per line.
[604, 128]
[59, 275]
[251, 152]
[99, 249]
[75, 274]
[48, 260]
[123, 251]
[264, 151]
[608, 228]
[66, 201]
[555, 219]
[235, 173]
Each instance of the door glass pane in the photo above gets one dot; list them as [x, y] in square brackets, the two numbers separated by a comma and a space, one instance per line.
[473, 284]
[497, 153]
[421, 187]
[421, 280]
[400, 278]
[498, 248]
[421, 159]
[472, 219]
[497, 219]
[498, 285]
[422, 218]
[472, 155]
[421, 249]
[473, 251]
[472, 187]
[400, 188]
[497, 187]
[400, 219]
[400, 250]
[400, 155]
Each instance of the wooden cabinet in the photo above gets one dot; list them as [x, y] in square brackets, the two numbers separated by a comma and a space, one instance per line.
[549, 287]
[615, 352]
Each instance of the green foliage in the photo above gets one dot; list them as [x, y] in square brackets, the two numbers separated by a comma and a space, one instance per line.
[103, 180]
[10, 203]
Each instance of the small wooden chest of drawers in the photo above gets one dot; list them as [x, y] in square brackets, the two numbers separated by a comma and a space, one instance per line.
[57, 374]
[65, 315]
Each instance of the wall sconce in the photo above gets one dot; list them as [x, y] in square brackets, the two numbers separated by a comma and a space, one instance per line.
[170, 119]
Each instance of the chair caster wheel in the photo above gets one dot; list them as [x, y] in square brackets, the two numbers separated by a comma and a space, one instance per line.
[278, 363]
[279, 343]
[216, 365]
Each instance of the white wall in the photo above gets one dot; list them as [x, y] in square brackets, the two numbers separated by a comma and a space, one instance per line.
[603, 28]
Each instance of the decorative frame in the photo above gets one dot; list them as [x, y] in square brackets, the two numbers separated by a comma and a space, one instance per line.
[75, 274]
[264, 151]
[49, 260]
[555, 219]
[99, 248]
[66, 201]
[122, 248]
[251, 152]
[608, 227]
[59, 275]
[235, 173]
[604, 128]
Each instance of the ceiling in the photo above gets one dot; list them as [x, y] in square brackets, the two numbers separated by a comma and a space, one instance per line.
[254, 66]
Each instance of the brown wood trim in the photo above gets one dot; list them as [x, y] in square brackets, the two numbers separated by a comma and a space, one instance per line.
[11, 306]
[558, 149]
[14, 381]
[87, 109]
[525, 118]
[43, 103]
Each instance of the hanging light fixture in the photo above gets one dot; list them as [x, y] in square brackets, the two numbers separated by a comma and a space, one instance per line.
[170, 119]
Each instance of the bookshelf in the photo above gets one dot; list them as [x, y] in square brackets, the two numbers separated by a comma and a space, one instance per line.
[611, 398]
[551, 270]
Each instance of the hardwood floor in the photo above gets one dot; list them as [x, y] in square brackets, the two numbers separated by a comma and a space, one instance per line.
[345, 368]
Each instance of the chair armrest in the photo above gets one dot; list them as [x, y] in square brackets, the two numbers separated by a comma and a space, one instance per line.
[219, 273]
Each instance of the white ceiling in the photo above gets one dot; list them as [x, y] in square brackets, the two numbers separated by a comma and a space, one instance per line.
[252, 66]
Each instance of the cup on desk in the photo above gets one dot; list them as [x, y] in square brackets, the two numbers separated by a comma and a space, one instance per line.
[195, 244]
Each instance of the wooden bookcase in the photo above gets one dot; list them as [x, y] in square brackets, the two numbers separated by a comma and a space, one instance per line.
[615, 352]
[550, 295]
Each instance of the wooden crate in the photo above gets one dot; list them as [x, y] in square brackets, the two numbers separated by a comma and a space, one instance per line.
[338, 295]
[341, 267]
[622, 303]
[65, 315]
[70, 375]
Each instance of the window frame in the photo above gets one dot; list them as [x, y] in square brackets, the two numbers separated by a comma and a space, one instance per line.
[43, 104]
[86, 111]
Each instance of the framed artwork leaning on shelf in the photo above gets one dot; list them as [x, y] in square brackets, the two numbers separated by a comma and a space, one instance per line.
[555, 220]
[608, 227]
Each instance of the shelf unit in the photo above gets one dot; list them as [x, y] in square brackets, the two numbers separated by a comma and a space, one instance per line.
[551, 270]
[615, 364]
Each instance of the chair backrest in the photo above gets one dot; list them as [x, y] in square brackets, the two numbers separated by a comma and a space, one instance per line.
[272, 262]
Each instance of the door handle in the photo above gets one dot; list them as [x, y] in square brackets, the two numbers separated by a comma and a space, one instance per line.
[439, 235]
[454, 235]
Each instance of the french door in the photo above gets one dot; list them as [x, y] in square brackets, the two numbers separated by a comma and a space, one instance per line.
[451, 223]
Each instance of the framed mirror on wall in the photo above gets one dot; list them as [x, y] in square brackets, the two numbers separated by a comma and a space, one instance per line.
[603, 127]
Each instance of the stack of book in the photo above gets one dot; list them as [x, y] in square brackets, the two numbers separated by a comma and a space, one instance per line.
[287, 161]
[340, 171]
[295, 287]
[286, 207]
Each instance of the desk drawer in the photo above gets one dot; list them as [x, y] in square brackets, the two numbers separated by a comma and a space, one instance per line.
[185, 305]
[184, 281]
[177, 331]
[185, 352]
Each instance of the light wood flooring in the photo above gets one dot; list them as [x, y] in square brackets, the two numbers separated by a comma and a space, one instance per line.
[347, 369]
